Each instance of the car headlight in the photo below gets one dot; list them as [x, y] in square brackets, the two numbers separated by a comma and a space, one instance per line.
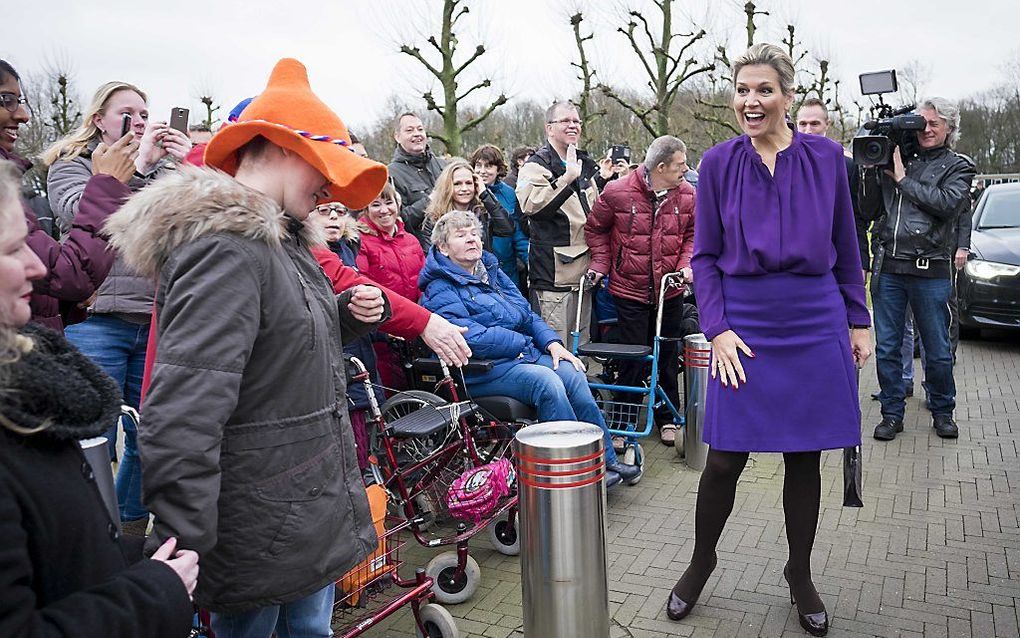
[981, 269]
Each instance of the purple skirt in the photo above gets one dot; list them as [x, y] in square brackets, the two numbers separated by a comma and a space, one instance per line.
[801, 390]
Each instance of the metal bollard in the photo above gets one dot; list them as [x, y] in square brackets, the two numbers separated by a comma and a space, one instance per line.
[97, 453]
[697, 358]
[561, 480]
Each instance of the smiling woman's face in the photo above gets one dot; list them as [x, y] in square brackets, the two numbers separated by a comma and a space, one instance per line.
[19, 266]
[11, 120]
[759, 102]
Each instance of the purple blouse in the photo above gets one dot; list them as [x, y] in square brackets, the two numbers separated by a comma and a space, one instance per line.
[749, 222]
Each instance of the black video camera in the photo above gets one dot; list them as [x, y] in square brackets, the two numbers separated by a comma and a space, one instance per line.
[874, 143]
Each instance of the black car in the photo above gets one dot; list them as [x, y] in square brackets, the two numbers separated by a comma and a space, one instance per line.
[989, 285]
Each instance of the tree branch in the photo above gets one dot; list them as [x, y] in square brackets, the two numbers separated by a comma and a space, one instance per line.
[712, 119]
[641, 115]
[430, 104]
[481, 85]
[629, 32]
[479, 50]
[415, 53]
[499, 101]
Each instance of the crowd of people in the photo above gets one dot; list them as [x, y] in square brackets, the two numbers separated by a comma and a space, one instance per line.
[212, 281]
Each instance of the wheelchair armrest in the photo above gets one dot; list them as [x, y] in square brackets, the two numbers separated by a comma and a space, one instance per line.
[431, 365]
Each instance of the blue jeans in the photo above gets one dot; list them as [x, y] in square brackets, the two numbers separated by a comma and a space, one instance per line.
[308, 617]
[118, 347]
[558, 395]
[928, 298]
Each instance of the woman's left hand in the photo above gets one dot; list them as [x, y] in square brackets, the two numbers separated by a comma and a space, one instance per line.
[559, 353]
[150, 150]
[479, 185]
[860, 345]
[176, 144]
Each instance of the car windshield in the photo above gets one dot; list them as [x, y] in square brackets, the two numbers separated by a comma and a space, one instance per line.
[1001, 210]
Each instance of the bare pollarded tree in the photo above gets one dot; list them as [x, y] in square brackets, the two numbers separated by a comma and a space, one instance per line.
[587, 75]
[669, 59]
[448, 71]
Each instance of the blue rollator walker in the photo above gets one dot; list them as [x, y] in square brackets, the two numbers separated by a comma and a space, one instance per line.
[626, 419]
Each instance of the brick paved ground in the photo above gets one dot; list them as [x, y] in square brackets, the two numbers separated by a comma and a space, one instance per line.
[935, 552]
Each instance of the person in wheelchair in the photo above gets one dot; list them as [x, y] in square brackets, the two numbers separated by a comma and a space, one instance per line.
[464, 284]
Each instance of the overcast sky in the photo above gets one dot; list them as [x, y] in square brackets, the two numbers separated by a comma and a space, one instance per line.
[174, 49]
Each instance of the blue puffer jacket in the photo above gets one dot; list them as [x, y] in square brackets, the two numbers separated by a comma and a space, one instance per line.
[510, 250]
[501, 325]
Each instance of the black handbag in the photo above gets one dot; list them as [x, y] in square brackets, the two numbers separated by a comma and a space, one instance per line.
[853, 477]
[853, 471]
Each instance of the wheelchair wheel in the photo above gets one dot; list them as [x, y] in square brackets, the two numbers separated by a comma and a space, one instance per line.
[404, 403]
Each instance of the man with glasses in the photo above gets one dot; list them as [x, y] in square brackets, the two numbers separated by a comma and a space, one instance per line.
[556, 190]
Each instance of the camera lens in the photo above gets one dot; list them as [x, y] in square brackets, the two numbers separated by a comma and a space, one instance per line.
[874, 150]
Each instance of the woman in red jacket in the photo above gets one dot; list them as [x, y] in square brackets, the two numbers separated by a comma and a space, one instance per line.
[392, 257]
[389, 254]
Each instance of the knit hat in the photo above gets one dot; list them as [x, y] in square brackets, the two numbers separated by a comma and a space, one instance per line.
[290, 116]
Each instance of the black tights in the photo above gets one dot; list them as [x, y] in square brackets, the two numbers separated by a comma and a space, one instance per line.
[802, 487]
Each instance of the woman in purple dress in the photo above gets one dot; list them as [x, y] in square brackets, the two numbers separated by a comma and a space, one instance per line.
[778, 279]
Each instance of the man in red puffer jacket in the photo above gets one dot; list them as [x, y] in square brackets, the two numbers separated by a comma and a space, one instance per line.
[640, 228]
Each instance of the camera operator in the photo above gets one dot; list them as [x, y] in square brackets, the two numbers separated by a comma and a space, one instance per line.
[921, 196]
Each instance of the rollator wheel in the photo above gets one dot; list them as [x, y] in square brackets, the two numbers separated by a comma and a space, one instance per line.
[438, 622]
[448, 589]
[679, 444]
[506, 539]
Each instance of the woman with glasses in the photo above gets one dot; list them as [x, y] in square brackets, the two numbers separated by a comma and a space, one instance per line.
[116, 332]
[77, 266]
[340, 229]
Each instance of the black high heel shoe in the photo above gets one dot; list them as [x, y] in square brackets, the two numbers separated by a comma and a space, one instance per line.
[677, 608]
[816, 624]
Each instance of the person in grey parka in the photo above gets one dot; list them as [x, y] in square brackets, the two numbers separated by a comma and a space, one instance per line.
[247, 449]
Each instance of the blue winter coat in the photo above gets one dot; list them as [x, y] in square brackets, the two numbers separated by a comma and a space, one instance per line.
[510, 250]
[501, 324]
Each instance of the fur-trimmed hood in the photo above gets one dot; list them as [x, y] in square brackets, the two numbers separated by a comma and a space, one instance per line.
[194, 202]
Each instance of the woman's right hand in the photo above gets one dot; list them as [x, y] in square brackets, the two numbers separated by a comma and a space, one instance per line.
[117, 160]
[184, 563]
[726, 349]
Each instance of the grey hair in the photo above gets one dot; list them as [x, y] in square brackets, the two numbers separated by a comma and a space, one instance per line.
[662, 149]
[771, 55]
[948, 111]
[550, 112]
[451, 221]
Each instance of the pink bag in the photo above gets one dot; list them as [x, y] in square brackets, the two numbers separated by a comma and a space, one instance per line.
[476, 493]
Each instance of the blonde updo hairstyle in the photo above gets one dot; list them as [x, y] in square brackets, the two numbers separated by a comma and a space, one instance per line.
[766, 54]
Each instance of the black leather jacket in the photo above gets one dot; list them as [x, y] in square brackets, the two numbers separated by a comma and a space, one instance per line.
[922, 211]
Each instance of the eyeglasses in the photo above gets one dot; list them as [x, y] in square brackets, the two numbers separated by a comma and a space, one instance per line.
[11, 101]
[328, 209]
[567, 122]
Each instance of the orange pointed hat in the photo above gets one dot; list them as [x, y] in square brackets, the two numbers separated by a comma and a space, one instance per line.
[290, 116]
